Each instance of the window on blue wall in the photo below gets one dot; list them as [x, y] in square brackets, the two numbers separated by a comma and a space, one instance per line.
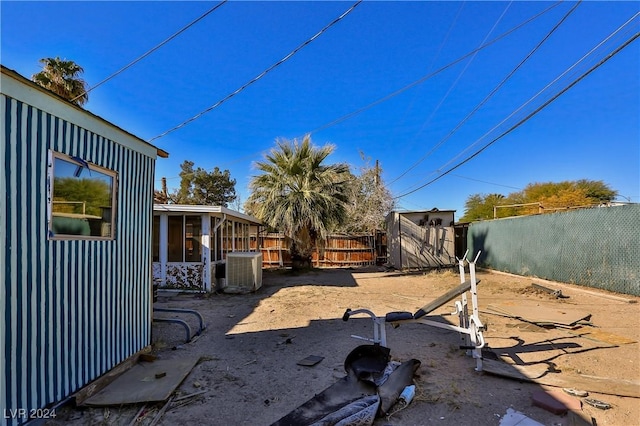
[81, 199]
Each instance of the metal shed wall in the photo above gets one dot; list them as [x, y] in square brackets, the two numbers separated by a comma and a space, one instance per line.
[414, 242]
[71, 309]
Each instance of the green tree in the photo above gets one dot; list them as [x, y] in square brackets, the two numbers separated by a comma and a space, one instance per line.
[550, 196]
[370, 201]
[565, 194]
[198, 186]
[480, 207]
[63, 78]
[299, 195]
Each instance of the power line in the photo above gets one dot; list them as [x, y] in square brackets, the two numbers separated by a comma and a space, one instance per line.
[534, 97]
[541, 91]
[262, 74]
[387, 97]
[490, 94]
[488, 183]
[446, 95]
[437, 55]
[432, 74]
[537, 110]
[135, 61]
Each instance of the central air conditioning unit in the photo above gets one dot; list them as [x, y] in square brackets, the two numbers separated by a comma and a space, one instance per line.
[243, 272]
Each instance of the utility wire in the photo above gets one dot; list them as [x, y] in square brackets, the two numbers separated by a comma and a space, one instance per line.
[542, 90]
[488, 183]
[518, 110]
[262, 74]
[455, 83]
[490, 94]
[437, 55]
[415, 83]
[432, 74]
[525, 119]
[153, 50]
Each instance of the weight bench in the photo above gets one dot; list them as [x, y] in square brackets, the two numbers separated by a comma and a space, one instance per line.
[470, 327]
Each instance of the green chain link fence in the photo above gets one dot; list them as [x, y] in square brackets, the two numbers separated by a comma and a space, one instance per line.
[597, 247]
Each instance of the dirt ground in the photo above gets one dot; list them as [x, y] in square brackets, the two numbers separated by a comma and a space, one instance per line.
[248, 373]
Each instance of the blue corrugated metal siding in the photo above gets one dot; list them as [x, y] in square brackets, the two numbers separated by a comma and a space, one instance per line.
[73, 309]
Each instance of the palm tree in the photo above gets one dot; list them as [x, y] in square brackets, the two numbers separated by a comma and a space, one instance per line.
[62, 77]
[300, 196]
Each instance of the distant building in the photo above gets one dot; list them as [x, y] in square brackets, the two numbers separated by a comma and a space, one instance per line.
[75, 246]
[421, 239]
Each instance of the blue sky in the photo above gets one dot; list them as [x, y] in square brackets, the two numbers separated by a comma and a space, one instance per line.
[410, 49]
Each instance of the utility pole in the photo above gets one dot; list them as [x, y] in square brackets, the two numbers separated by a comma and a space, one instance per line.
[377, 180]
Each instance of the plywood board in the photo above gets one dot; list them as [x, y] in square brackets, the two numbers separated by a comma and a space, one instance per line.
[525, 373]
[144, 382]
[534, 374]
[540, 314]
[601, 336]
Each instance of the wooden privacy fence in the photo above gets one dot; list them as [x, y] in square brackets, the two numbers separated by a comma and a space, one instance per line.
[340, 250]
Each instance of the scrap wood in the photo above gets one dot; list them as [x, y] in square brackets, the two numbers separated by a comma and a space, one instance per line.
[139, 415]
[539, 373]
[187, 399]
[528, 326]
[164, 408]
[191, 395]
[557, 293]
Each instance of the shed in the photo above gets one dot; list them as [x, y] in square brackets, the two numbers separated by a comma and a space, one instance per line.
[190, 241]
[421, 239]
[75, 245]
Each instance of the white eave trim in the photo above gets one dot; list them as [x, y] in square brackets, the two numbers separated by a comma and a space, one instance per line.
[187, 208]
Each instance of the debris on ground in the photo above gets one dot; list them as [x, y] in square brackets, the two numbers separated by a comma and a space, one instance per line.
[575, 392]
[597, 403]
[555, 402]
[555, 293]
[513, 418]
[310, 361]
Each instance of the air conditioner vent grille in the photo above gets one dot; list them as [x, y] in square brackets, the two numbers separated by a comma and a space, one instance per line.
[243, 272]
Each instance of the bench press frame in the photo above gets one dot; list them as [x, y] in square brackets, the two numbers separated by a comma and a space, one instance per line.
[470, 327]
